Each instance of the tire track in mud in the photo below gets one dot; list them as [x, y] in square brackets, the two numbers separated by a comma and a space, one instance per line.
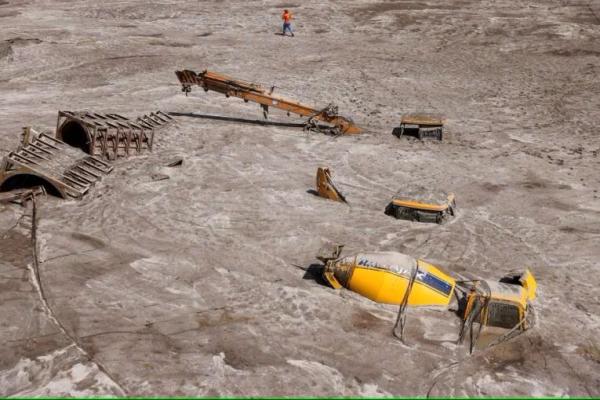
[34, 271]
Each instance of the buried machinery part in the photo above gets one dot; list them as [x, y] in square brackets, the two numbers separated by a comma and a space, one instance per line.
[46, 161]
[411, 214]
[420, 126]
[248, 91]
[326, 187]
[399, 279]
[109, 135]
[414, 206]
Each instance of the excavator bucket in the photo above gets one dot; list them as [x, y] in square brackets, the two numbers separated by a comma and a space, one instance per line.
[325, 186]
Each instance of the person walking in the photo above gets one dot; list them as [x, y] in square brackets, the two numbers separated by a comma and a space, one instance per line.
[287, 25]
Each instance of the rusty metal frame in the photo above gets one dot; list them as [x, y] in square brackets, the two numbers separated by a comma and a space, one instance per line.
[113, 135]
[71, 172]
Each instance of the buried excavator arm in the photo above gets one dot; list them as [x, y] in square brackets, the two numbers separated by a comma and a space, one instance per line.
[252, 92]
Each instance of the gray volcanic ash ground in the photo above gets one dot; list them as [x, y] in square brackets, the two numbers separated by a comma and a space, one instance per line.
[187, 286]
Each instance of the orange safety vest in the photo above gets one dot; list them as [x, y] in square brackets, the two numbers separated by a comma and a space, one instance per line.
[286, 17]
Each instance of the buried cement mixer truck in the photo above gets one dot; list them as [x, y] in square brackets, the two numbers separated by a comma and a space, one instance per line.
[399, 279]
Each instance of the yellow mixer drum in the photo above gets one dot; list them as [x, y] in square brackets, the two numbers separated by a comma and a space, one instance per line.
[384, 277]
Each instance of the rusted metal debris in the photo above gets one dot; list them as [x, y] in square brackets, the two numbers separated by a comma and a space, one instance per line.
[20, 196]
[47, 161]
[109, 135]
[177, 162]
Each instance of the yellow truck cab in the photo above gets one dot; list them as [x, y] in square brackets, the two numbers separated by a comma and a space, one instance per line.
[503, 304]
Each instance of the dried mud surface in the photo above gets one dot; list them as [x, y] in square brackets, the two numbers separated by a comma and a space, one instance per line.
[187, 286]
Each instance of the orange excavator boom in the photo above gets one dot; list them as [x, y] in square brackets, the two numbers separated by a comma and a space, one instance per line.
[252, 92]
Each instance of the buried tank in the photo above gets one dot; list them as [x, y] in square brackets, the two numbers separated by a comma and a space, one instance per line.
[399, 279]
[421, 205]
